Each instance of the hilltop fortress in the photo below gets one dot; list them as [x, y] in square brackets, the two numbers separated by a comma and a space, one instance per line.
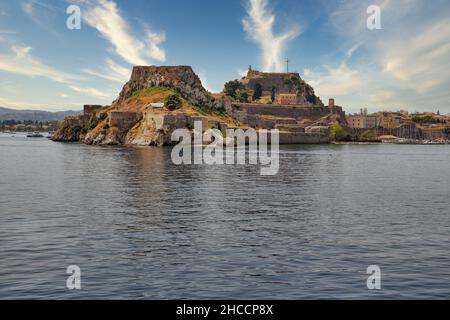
[283, 85]
[158, 100]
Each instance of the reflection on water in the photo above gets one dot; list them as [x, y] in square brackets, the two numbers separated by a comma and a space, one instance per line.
[141, 227]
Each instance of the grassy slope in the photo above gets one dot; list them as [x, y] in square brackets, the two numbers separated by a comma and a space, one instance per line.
[140, 99]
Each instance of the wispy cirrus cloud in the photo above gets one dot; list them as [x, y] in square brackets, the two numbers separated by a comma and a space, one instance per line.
[92, 92]
[40, 13]
[105, 16]
[259, 26]
[112, 72]
[20, 60]
[403, 65]
[12, 103]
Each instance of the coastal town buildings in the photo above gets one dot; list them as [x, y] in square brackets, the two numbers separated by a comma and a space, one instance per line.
[360, 121]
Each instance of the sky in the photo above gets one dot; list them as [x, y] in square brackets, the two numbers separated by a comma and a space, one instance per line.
[403, 65]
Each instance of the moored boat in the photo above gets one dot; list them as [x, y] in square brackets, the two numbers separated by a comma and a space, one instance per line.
[34, 135]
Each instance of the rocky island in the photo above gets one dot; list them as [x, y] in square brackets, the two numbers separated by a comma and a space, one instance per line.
[159, 99]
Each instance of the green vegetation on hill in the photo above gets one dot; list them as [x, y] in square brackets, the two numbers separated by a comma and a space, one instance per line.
[425, 119]
[153, 91]
[173, 101]
[339, 134]
[236, 90]
[258, 92]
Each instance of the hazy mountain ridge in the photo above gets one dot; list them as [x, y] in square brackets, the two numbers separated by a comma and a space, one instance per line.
[34, 115]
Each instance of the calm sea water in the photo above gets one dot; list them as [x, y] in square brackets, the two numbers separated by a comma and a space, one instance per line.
[140, 227]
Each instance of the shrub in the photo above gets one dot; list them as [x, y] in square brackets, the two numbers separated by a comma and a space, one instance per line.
[339, 134]
[103, 116]
[258, 92]
[232, 87]
[425, 119]
[173, 102]
[368, 135]
[93, 123]
[242, 96]
[273, 94]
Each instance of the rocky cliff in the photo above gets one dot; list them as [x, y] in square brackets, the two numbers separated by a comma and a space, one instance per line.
[181, 78]
[133, 117]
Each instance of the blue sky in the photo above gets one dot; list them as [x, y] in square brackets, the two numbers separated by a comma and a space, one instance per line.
[404, 65]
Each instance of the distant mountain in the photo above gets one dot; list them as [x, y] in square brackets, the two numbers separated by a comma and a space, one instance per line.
[34, 115]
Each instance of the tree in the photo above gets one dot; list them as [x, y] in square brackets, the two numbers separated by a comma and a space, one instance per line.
[232, 87]
[339, 134]
[273, 94]
[368, 135]
[446, 132]
[242, 96]
[173, 102]
[258, 92]
[428, 119]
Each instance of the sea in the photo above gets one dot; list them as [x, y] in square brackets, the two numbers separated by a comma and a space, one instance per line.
[136, 226]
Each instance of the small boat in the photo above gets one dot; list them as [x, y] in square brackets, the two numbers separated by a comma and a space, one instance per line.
[34, 135]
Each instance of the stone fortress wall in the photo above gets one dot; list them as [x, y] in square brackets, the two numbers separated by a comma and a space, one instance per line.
[257, 115]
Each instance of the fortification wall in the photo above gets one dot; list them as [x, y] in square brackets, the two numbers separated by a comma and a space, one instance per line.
[303, 138]
[251, 113]
[89, 109]
[124, 120]
[268, 83]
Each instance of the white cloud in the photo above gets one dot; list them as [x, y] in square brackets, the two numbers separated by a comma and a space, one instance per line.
[381, 97]
[105, 16]
[92, 92]
[8, 103]
[21, 61]
[5, 35]
[241, 72]
[404, 65]
[335, 82]
[421, 61]
[112, 71]
[21, 104]
[259, 26]
[28, 8]
[204, 80]
[40, 13]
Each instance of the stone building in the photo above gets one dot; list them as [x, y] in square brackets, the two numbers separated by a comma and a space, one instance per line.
[360, 121]
[89, 109]
[289, 88]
